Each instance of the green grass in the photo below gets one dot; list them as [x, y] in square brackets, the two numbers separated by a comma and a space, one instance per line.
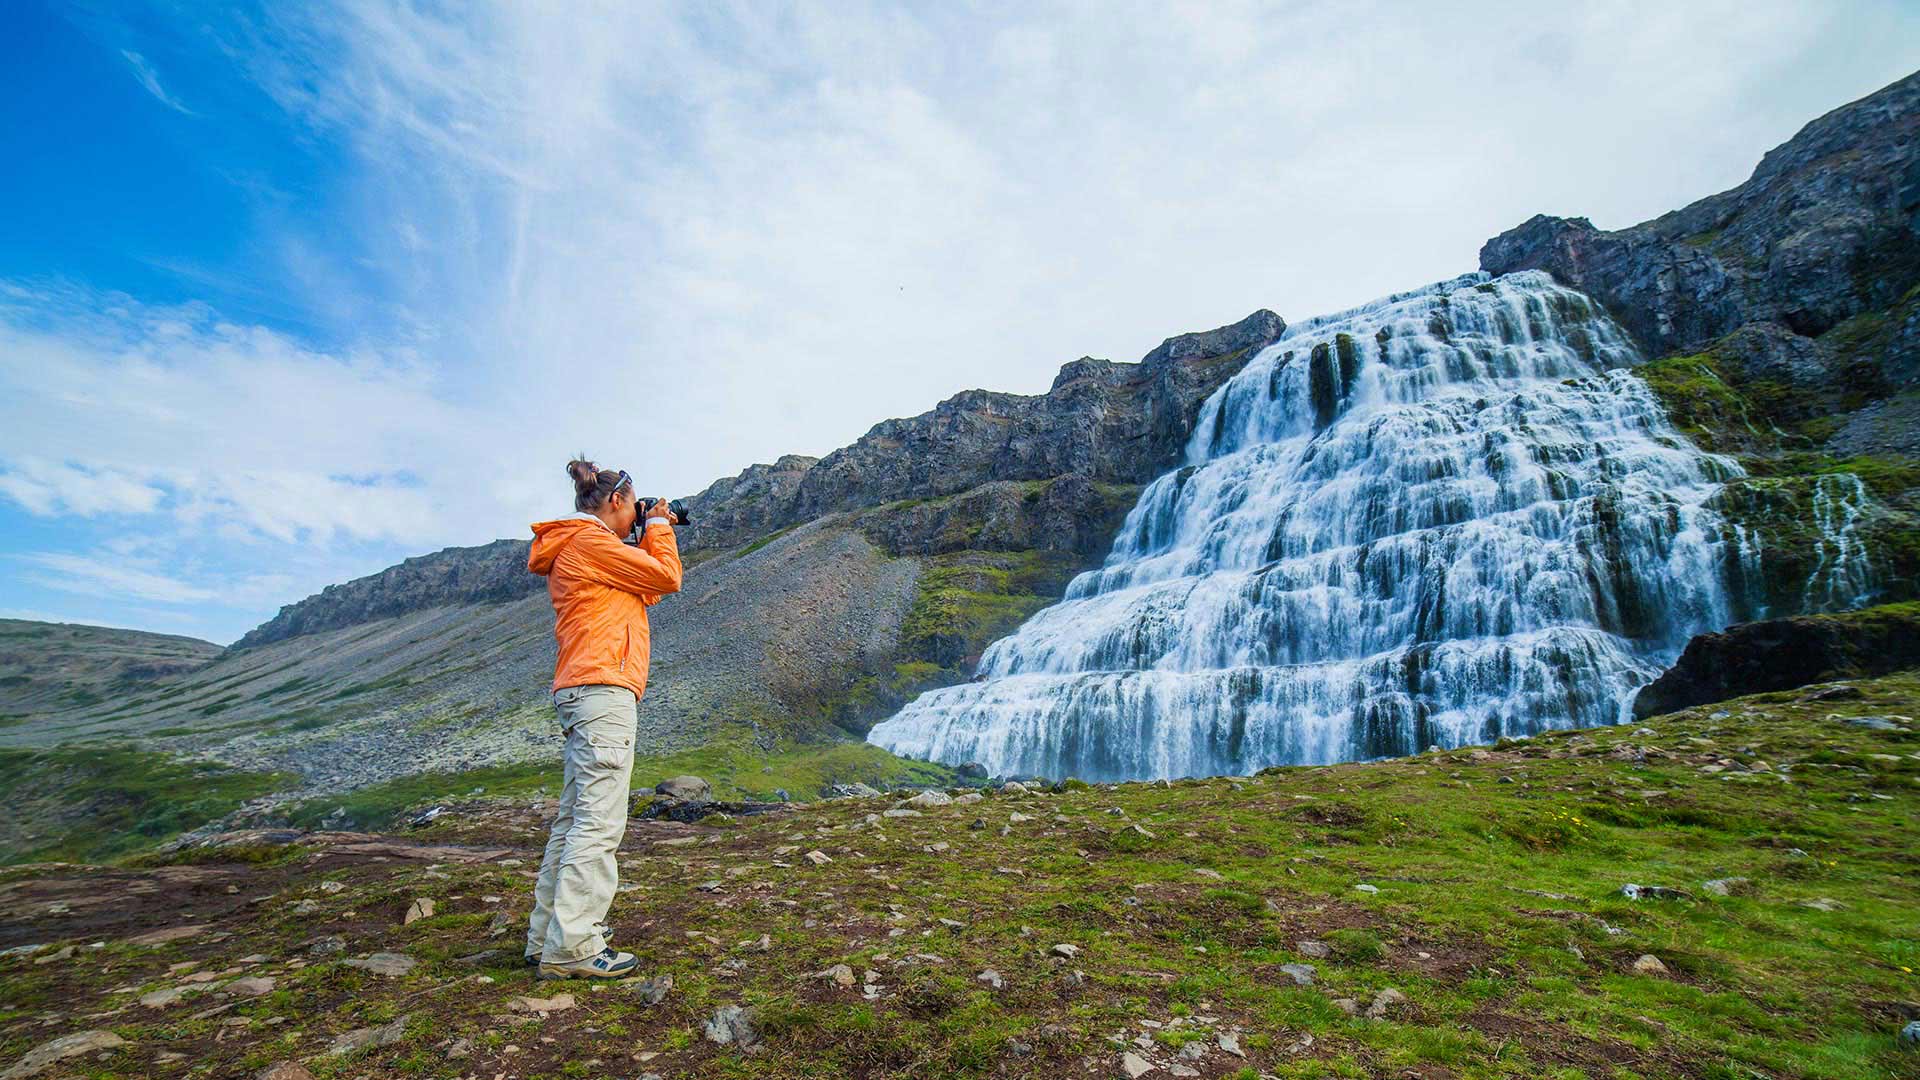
[736, 767]
[1497, 916]
[105, 803]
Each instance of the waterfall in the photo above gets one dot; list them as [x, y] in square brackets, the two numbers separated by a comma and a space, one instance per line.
[1443, 517]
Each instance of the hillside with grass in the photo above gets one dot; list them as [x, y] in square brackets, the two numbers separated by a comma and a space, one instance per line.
[1725, 892]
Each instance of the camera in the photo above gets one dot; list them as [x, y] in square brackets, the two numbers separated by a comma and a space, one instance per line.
[681, 516]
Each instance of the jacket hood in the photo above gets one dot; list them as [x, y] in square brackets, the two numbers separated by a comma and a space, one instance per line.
[549, 537]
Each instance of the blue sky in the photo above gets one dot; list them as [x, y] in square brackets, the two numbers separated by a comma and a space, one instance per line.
[288, 293]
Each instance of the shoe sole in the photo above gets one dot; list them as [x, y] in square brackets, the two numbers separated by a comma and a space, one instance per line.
[549, 972]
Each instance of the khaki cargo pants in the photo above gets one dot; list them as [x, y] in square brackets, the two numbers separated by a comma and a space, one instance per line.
[579, 873]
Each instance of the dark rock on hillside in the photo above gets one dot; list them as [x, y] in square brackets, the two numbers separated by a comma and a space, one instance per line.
[471, 575]
[1109, 422]
[1071, 514]
[1825, 229]
[1781, 654]
[1809, 264]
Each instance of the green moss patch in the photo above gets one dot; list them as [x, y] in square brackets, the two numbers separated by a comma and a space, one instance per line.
[94, 804]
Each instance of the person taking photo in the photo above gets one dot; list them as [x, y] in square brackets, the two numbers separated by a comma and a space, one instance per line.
[601, 588]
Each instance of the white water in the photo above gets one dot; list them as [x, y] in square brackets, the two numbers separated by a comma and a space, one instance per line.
[1436, 519]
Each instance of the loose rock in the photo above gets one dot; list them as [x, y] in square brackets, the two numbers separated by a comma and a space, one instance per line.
[46, 1055]
[368, 1038]
[385, 963]
[732, 1025]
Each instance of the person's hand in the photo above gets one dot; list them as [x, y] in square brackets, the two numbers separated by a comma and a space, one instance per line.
[658, 508]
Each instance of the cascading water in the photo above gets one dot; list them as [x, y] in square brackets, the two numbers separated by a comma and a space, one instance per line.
[1437, 519]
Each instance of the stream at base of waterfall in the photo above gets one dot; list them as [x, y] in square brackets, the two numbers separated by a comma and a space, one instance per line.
[1449, 515]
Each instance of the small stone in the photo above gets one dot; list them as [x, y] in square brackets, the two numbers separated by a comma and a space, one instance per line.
[1651, 892]
[385, 963]
[44, 1056]
[841, 974]
[1018, 818]
[368, 1038]
[252, 987]
[1229, 1042]
[1193, 1051]
[653, 991]
[1911, 1033]
[1317, 950]
[900, 812]
[285, 1070]
[1013, 787]
[160, 999]
[1370, 890]
[1347, 1005]
[928, 799]
[1723, 886]
[543, 1006]
[1384, 1001]
[732, 1025]
[54, 957]
[1649, 964]
[171, 933]
[991, 978]
[1066, 950]
[819, 858]
[1134, 1065]
[332, 886]
[1302, 974]
[419, 909]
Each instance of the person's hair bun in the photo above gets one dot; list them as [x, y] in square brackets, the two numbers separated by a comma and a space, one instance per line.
[585, 477]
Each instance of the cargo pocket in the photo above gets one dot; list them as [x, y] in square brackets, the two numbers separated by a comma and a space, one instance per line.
[611, 747]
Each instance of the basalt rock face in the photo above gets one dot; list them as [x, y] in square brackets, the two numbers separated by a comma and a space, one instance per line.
[1781, 654]
[1827, 229]
[1104, 421]
[489, 573]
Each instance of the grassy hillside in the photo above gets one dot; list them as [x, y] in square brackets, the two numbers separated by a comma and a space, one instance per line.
[74, 671]
[1481, 887]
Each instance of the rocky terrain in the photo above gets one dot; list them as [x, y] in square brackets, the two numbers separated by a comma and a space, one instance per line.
[1725, 891]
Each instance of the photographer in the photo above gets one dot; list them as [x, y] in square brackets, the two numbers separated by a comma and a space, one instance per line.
[601, 589]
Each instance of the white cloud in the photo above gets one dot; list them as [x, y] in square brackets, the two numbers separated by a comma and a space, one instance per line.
[143, 71]
[101, 575]
[689, 238]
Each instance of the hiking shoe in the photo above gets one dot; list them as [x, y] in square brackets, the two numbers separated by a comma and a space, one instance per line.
[606, 938]
[607, 964]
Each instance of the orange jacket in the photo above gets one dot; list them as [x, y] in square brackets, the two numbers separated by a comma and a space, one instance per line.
[601, 589]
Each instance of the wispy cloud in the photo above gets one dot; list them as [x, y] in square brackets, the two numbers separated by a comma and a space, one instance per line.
[143, 71]
[101, 575]
[692, 237]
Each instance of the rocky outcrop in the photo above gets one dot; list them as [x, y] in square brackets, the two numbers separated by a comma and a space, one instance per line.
[1800, 280]
[1781, 654]
[1071, 514]
[1108, 422]
[490, 573]
[1824, 230]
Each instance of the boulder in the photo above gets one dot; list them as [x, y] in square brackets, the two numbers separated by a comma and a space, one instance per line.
[1784, 654]
[690, 788]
